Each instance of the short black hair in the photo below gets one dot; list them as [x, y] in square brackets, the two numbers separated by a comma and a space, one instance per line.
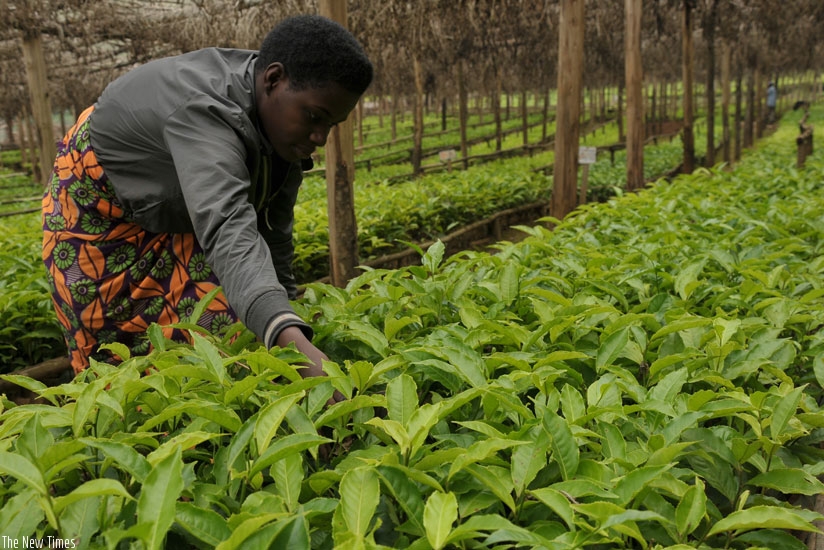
[314, 51]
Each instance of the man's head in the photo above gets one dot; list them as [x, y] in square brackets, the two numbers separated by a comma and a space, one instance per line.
[315, 51]
[309, 75]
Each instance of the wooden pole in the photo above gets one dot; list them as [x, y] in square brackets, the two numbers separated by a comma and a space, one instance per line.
[687, 77]
[417, 125]
[726, 54]
[340, 177]
[35, 63]
[463, 113]
[709, 31]
[570, 78]
[635, 100]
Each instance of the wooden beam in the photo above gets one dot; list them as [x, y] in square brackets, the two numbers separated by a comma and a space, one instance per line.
[35, 63]
[570, 78]
[340, 177]
[635, 102]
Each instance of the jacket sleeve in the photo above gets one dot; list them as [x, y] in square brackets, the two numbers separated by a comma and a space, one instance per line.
[209, 157]
[276, 223]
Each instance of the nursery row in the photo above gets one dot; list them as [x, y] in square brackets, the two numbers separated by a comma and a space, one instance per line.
[389, 216]
[646, 375]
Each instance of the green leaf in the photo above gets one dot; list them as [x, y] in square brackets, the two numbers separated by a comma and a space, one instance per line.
[479, 451]
[783, 412]
[270, 418]
[789, 481]
[440, 513]
[34, 439]
[288, 474]
[562, 442]
[529, 459]
[23, 470]
[691, 509]
[245, 530]
[292, 532]
[284, 446]
[401, 399]
[125, 456]
[80, 520]
[509, 283]
[497, 480]
[407, 494]
[635, 481]
[558, 503]
[359, 496]
[84, 405]
[369, 335]
[210, 355]
[394, 430]
[34, 386]
[204, 524]
[764, 517]
[158, 495]
[91, 488]
[687, 279]
[433, 257]
[344, 408]
[611, 348]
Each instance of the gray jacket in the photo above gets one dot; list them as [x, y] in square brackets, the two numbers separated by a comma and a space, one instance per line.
[179, 141]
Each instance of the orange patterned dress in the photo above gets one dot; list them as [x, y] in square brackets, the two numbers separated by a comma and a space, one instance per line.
[110, 279]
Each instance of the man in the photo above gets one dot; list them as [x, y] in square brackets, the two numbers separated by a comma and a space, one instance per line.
[183, 177]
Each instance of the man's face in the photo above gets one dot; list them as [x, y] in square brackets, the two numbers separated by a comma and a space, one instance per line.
[298, 121]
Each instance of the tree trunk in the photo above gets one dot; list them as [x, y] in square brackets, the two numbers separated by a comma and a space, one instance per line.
[737, 122]
[726, 54]
[750, 115]
[35, 62]
[635, 107]
[463, 113]
[545, 115]
[709, 31]
[619, 109]
[687, 77]
[760, 119]
[340, 176]
[496, 109]
[443, 114]
[570, 77]
[524, 118]
[393, 122]
[417, 146]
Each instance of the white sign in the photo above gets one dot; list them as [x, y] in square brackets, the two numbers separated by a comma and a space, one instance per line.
[586, 155]
[447, 155]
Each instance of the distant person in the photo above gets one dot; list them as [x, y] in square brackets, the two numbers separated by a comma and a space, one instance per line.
[183, 176]
[772, 98]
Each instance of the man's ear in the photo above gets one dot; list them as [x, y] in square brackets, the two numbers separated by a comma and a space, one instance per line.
[273, 76]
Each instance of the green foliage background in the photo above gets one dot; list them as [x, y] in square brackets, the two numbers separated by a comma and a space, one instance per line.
[647, 375]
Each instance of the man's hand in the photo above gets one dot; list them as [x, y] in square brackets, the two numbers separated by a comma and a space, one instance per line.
[316, 357]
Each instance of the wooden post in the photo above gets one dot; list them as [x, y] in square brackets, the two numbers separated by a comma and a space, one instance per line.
[463, 113]
[35, 62]
[340, 176]
[417, 121]
[739, 95]
[524, 117]
[570, 77]
[687, 77]
[726, 54]
[635, 106]
[709, 32]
